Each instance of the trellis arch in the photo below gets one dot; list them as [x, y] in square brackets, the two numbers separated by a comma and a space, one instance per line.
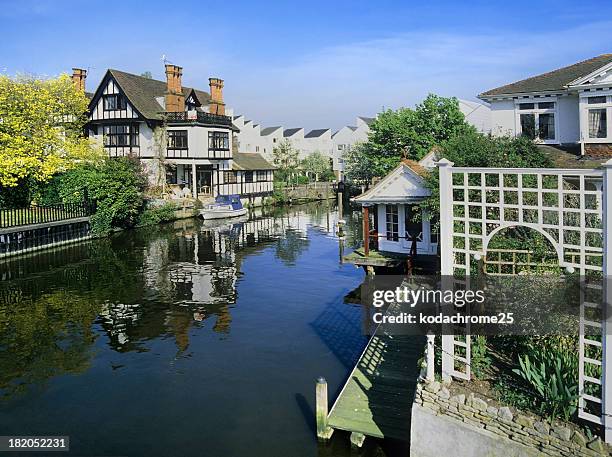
[572, 208]
[502, 227]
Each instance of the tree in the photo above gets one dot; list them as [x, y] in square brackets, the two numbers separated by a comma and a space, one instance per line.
[358, 164]
[318, 165]
[41, 128]
[285, 157]
[147, 74]
[413, 132]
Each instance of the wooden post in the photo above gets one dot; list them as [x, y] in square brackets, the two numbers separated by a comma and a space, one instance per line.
[366, 231]
[323, 431]
[431, 362]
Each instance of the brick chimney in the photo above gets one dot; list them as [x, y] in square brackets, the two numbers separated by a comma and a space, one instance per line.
[78, 78]
[217, 106]
[175, 100]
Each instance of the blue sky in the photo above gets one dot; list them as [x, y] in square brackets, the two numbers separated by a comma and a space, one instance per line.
[312, 64]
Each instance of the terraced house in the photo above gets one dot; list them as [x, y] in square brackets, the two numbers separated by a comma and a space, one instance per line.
[570, 106]
[181, 134]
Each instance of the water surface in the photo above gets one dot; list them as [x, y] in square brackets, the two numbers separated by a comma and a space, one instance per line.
[182, 340]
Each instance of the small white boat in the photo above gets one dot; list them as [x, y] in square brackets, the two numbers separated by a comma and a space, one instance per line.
[225, 206]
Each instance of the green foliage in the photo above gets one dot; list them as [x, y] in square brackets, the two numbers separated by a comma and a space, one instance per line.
[551, 371]
[473, 149]
[116, 185]
[480, 360]
[157, 215]
[359, 163]
[318, 165]
[286, 159]
[413, 132]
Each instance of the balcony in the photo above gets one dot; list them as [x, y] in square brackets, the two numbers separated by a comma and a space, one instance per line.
[198, 117]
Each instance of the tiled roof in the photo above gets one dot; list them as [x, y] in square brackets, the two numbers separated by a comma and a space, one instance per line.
[143, 93]
[316, 133]
[416, 167]
[250, 161]
[290, 132]
[367, 120]
[269, 130]
[553, 80]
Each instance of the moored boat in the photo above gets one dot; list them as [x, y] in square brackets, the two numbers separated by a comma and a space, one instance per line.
[225, 206]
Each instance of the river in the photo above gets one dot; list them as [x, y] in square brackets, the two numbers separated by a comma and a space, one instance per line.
[184, 339]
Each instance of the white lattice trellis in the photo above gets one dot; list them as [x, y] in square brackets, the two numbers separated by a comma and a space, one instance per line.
[572, 208]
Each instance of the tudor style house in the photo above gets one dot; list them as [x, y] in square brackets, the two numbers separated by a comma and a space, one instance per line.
[182, 135]
[571, 106]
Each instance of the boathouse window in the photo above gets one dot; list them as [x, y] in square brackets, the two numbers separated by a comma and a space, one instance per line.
[177, 139]
[414, 227]
[230, 177]
[114, 102]
[218, 141]
[248, 176]
[262, 175]
[392, 223]
[121, 135]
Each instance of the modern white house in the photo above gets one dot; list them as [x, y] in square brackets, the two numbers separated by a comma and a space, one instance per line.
[394, 202]
[476, 114]
[251, 137]
[569, 106]
[182, 135]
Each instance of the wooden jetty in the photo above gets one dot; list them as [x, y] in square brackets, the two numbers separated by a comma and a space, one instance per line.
[377, 398]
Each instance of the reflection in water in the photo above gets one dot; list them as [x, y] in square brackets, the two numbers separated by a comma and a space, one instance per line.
[177, 322]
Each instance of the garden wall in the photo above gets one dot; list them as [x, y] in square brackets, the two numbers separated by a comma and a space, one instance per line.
[463, 425]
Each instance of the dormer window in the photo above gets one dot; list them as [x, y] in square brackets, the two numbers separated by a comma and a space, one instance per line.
[114, 102]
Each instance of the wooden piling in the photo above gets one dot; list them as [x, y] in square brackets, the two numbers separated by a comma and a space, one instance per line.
[323, 431]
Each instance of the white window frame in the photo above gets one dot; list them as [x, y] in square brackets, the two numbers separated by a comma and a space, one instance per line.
[584, 115]
[536, 112]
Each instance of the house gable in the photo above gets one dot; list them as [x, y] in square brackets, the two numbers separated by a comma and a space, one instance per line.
[110, 87]
[600, 76]
[403, 184]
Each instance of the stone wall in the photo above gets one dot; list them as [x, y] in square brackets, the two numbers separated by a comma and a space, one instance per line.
[598, 149]
[507, 423]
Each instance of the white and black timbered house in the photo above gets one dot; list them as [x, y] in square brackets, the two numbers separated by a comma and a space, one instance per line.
[180, 134]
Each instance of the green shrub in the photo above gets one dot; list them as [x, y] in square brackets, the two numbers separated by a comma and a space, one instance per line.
[551, 371]
[116, 185]
[157, 215]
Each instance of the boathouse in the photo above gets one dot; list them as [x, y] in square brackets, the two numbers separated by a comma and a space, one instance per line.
[395, 225]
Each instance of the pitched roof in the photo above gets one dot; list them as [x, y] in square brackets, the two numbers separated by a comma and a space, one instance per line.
[250, 161]
[416, 167]
[398, 186]
[290, 132]
[553, 80]
[316, 133]
[143, 93]
[268, 130]
[367, 120]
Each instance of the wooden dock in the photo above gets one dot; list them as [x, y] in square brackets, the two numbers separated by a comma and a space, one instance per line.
[377, 398]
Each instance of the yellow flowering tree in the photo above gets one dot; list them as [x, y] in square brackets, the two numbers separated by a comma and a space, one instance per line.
[41, 128]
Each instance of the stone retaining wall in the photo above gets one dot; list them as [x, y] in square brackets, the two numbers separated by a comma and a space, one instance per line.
[508, 423]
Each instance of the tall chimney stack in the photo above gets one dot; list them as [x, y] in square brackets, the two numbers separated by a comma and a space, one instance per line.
[217, 106]
[78, 78]
[175, 100]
